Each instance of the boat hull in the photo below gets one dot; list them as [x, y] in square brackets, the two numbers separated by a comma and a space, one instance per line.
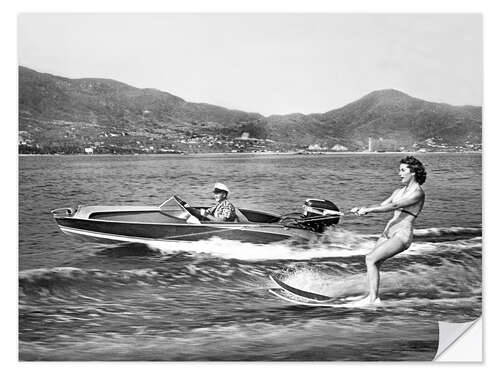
[125, 232]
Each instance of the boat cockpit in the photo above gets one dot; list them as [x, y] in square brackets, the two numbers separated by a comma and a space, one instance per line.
[178, 208]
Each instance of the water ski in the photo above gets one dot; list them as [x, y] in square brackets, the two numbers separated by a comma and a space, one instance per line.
[339, 303]
[302, 297]
[299, 292]
[295, 299]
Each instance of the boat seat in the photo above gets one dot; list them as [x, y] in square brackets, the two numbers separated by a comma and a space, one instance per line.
[240, 218]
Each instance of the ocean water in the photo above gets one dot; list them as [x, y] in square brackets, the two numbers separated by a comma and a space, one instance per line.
[209, 300]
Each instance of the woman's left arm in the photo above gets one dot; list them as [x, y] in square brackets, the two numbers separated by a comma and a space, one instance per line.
[394, 205]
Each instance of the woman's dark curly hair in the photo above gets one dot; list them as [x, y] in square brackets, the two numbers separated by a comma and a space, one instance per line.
[416, 167]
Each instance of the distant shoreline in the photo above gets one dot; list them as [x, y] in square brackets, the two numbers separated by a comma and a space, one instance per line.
[271, 153]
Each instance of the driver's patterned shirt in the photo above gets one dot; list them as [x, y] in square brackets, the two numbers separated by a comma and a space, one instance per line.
[223, 211]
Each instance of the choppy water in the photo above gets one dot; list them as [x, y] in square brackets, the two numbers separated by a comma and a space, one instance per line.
[209, 300]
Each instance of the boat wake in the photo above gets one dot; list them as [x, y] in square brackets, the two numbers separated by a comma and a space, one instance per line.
[341, 244]
[338, 243]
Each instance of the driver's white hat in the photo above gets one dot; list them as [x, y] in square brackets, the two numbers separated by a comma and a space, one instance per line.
[219, 186]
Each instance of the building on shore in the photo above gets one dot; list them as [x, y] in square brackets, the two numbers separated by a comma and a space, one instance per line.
[316, 147]
[338, 147]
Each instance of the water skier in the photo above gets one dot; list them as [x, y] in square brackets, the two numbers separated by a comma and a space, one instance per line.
[406, 202]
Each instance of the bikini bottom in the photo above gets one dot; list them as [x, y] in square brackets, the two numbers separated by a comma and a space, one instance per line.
[404, 234]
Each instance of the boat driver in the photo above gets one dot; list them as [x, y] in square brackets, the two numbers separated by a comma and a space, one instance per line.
[223, 210]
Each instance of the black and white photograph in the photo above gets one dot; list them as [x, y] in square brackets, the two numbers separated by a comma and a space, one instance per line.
[248, 186]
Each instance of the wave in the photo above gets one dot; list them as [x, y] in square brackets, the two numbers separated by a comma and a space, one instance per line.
[65, 281]
[47, 281]
[446, 234]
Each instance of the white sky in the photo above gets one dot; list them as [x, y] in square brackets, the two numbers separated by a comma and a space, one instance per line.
[266, 63]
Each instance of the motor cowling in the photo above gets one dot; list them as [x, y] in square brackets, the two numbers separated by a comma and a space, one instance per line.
[317, 214]
[319, 207]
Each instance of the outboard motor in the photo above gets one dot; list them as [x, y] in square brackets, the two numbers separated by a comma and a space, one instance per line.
[317, 214]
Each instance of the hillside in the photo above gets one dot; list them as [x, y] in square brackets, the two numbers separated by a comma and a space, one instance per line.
[58, 114]
[388, 114]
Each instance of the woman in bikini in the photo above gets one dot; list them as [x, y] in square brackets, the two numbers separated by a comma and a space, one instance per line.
[406, 202]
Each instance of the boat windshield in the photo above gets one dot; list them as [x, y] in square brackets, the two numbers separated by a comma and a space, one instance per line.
[174, 206]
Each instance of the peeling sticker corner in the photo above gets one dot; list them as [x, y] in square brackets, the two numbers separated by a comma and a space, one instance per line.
[457, 334]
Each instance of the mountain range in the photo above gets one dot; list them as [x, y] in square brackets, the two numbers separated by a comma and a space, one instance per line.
[58, 112]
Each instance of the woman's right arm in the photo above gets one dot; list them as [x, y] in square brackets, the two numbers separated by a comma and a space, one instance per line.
[389, 200]
[413, 198]
[386, 202]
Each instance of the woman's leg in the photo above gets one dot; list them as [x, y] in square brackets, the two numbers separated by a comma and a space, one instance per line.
[381, 252]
